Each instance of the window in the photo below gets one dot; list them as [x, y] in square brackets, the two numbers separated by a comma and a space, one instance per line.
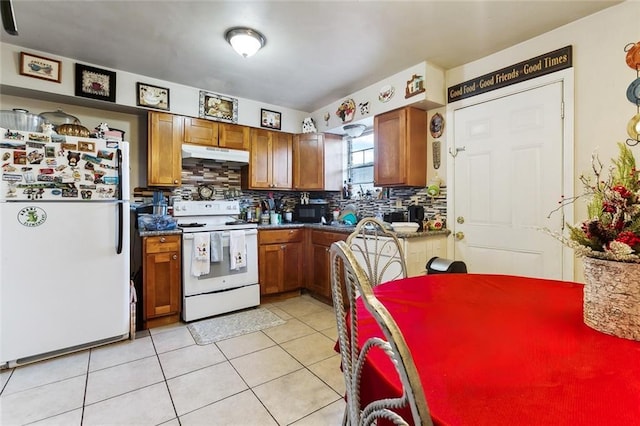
[360, 164]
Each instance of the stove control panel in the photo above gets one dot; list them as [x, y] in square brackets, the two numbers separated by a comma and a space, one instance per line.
[206, 208]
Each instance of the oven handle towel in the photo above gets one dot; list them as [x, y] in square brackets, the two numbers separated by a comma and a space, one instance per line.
[237, 250]
[200, 263]
[216, 247]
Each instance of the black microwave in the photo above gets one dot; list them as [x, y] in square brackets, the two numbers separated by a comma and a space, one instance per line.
[311, 213]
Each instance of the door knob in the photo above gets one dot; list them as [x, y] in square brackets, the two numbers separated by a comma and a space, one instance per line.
[174, 257]
[459, 236]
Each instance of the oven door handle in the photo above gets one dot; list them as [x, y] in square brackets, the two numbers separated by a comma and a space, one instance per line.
[190, 236]
[225, 234]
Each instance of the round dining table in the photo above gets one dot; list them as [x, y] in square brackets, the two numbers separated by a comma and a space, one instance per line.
[504, 350]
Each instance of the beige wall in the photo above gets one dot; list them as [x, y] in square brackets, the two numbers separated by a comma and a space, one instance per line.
[184, 100]
[601, 78]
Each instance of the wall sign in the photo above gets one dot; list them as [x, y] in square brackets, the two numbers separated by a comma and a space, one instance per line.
[522, 71]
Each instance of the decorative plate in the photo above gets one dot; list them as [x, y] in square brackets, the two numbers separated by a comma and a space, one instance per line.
[205, 192]
[633, 55]
[346, 110]
[436, 127]
[633, 92]
[386, 93]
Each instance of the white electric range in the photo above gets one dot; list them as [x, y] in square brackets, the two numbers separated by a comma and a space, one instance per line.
[222, 289]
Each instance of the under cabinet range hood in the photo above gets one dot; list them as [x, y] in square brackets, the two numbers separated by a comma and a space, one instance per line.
[215, 154]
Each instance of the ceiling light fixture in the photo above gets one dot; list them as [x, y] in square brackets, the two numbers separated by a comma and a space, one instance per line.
[354, 130]
[245, 41]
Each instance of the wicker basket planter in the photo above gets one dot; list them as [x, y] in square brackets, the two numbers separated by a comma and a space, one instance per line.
[612, 297]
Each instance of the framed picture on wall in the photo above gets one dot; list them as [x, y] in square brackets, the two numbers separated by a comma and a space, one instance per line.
[40, 67]
[270, 119]
[95, 83]
[217, 107]
[152, 96]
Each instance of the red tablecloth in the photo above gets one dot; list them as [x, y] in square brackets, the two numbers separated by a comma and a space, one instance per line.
[505, 350]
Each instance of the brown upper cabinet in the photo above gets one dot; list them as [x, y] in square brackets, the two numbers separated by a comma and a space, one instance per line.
[317, 162]
[400, 148]
[270, 161]
[234, 136]
[211, 133]
[164, 157]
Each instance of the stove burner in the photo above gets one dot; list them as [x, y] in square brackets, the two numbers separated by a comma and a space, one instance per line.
[236, 222]
[190, 225]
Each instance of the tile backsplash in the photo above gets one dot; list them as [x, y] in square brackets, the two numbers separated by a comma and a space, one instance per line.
[226, 176]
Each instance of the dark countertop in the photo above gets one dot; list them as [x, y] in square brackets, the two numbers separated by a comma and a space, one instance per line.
[159, 233]
[421, 234]
[329, 228]
[349, 229]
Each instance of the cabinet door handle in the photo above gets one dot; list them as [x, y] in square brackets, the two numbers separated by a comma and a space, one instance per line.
[174, 257]
[175, 181]
[281, 247]
[163, 239]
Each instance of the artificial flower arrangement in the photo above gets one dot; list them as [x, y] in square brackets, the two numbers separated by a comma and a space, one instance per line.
[612, 230]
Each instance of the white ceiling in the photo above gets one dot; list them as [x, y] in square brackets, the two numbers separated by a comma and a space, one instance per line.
[316, 51]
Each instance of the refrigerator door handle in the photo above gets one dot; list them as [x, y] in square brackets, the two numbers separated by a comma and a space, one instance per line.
[120, 207]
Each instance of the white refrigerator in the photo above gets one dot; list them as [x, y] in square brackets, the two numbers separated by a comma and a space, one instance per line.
[64, 244]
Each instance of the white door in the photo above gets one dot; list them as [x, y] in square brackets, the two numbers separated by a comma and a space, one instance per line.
[508, 178]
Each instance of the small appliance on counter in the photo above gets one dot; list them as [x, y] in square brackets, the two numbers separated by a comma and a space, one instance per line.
[312, 212]
[416, 215]
[397, 216]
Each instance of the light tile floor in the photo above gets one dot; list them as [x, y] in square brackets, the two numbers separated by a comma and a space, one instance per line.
[284, 375]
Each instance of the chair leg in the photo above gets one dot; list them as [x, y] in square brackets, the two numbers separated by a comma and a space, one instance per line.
[345, 416]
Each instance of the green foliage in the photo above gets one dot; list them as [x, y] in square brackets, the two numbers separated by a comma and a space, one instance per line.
[625, 172]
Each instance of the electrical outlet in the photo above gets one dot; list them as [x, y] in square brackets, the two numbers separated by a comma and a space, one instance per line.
[398, 204]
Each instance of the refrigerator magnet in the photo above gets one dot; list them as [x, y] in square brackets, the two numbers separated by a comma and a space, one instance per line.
[32, 216]
[19, 157]
[73, 158]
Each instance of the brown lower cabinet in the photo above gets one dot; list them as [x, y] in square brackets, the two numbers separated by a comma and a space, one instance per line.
[280, 260]
[161, 259]
[318, 277]
[292, 259]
